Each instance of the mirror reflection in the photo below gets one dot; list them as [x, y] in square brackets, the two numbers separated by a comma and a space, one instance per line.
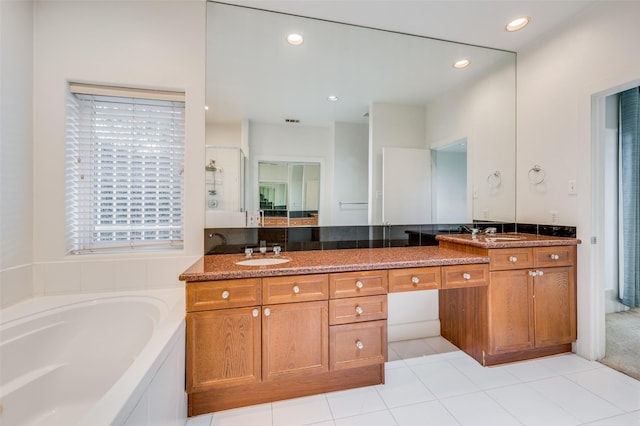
[406, 139]
[289, 193]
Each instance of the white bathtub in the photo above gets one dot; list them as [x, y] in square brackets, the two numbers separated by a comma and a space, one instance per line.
[111, 359]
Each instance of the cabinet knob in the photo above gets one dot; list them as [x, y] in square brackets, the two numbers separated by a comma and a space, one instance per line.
[415, 280]
[359, 310]
[513, 259]
[296, 289]
[225, 295]
[267, 312]
[359, 284]
[255, 313]
[466, 276]
[554, 256]
[359, 344]
[532, 273]
[540, 273]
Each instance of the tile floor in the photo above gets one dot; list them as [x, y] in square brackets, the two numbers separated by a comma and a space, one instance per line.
[430, 382]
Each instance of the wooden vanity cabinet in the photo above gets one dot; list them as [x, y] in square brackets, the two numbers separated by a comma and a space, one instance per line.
[223, 334]
[530, 305]
[533, 308]
[358, 319]
[251, 341]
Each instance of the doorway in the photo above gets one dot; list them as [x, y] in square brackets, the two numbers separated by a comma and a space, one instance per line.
[449, 182]
[622, 342]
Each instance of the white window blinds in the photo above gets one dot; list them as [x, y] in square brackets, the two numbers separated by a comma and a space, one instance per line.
[124, 169]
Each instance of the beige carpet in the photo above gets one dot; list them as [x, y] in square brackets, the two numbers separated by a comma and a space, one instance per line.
[623, 342]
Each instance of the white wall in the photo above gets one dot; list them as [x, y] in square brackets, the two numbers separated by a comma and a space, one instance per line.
[350, 174]
[557, 80]
[16, 194]
[484, 115]
[143, 44]
[398, 126]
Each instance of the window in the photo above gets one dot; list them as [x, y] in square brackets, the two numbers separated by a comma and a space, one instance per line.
[124, 169]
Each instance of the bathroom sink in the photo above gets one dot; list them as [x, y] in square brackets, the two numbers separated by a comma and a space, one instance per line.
[265, 261]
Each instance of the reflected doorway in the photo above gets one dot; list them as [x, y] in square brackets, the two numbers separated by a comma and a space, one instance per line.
[449, 182]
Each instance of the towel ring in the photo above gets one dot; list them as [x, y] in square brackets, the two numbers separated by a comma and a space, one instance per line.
[536, 175]
[494, 179]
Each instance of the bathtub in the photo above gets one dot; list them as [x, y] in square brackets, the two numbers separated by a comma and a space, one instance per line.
[88, 359]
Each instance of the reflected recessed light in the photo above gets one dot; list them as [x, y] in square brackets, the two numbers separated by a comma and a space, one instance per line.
[517, 24]
[332, 98]
[463, 63]
[294, 39]
[206, 107]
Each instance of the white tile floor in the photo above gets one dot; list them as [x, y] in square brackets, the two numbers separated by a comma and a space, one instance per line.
[430, 382]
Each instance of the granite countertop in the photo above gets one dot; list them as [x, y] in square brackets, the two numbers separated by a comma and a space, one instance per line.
[508, 240]
[219, 267]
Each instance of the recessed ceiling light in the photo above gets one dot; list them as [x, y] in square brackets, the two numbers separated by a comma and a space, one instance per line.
[206, 107]
[295, 39]
[332, 98]
[517, 24]
[463, 63]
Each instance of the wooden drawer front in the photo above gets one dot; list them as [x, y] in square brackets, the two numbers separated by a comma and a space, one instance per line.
[554, 256]
[352, 284]
[357, 309]
[357, 345]
[457, 276]
[511, 258]
[207, 295]
[275, 221]
[295, 288]
[411, 279]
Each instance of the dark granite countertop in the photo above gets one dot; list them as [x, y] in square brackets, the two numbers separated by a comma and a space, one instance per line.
[508, 240]
[219, 267]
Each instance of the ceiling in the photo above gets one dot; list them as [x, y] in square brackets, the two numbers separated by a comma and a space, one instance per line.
[251, 77]
[478, 22]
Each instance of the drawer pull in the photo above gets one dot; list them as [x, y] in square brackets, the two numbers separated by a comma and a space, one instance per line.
[267, 312]
[359, 344]
[466, 276]
[359, 310]
[554, 256]
[225, 295]
[359, 284]
[296, 289]
[415, 280]
[513, 259]
[255, 313]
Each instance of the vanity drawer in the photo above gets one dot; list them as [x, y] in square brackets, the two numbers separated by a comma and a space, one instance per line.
[353, 284]
[295, 288]
[357, 345]
[510, 258]
[554, 256]
[410, 279]
[357, 309]
[456, 276]
[206, 295]
[275, 221]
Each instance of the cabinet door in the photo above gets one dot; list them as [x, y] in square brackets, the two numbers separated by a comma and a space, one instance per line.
[358, 345]
[295, 339]
[223, 348]
[555, 306]
[510, 305]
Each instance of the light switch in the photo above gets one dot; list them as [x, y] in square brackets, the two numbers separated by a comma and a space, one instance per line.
[572, 187]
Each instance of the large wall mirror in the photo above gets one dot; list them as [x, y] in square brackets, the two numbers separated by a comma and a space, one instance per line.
[399, 135]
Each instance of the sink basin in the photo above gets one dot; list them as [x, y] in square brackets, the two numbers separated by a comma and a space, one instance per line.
[264, 261]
